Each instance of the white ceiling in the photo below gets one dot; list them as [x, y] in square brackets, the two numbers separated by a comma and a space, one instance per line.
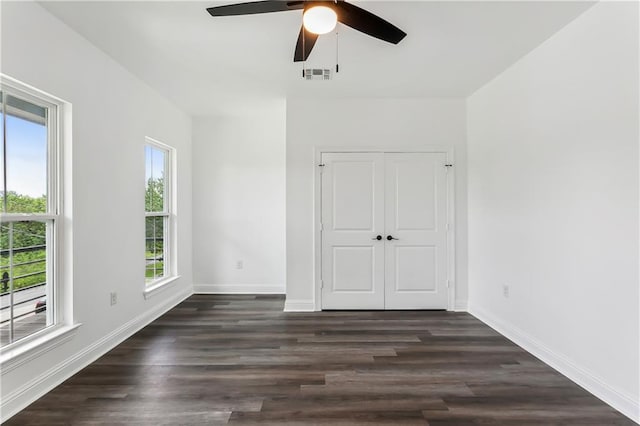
[210, 66]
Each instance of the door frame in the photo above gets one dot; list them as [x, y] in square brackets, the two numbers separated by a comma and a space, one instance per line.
[449, 152]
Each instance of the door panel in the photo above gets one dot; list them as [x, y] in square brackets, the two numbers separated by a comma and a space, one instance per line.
[352, 215]
[416, 268]
[353, 269]
[353, 194]
[415, 212]
[415, 188]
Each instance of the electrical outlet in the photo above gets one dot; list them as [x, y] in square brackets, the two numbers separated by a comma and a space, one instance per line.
[505, 290]
[239, 264]
[114, 298]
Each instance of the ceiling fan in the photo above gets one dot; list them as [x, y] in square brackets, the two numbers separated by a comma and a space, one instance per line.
[319, 17]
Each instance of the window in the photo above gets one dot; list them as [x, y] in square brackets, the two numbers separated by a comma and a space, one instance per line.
[158, 213]
[30, 211]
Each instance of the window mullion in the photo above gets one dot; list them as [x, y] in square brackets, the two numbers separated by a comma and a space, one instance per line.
[11, 332]
[166, 242]
[155, 249]
[4, 152]
[5, 208]
[29, 217]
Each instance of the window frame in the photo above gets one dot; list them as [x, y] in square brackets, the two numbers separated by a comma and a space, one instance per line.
[170, 273]
[58, 250]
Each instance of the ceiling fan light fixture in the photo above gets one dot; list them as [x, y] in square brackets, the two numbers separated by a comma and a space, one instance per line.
[319, 19]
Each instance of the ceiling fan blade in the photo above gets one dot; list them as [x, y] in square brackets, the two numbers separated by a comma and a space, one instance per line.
[368, 23]
[254, 7]
[309, 41]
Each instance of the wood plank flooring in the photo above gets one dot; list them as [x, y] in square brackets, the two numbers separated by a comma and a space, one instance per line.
[241, 360]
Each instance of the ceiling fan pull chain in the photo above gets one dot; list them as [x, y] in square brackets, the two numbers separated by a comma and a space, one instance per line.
[337, 61]
[337, 58]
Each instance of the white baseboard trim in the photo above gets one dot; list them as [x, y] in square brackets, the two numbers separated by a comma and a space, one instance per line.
[238, 289]
[460, 306]
[626, 404]
[299, 306]
[20, 398]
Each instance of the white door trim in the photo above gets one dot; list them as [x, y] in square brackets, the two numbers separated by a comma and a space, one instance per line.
[317, 212]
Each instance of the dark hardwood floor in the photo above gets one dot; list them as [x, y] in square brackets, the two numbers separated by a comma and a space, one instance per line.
[241, 360]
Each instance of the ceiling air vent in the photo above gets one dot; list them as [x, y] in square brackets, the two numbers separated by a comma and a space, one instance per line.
[317, 74]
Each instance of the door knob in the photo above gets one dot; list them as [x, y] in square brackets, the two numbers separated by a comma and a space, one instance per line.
[389, 238]
[379, 237]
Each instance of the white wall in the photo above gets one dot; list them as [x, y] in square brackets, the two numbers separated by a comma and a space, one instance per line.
[363, 123]
[553, 202]
[112, 113]
[239, 207]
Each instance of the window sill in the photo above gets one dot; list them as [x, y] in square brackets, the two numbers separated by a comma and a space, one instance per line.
[14, 357]
[159, 286]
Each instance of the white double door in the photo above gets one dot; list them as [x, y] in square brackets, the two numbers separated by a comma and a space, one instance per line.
[384, 236]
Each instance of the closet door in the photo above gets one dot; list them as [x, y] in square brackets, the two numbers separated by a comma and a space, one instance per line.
[352, 219]
[415, 231]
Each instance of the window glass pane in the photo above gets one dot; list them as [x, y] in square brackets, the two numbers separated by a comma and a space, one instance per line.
[154, 179]
[26, 151]
[2, 182]
[154, 256]
[23, 272]
[26, 248]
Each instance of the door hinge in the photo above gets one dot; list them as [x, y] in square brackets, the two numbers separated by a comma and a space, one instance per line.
[321, 227]
[447, 227]
[448, 283]
[321, 284]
